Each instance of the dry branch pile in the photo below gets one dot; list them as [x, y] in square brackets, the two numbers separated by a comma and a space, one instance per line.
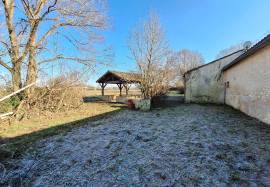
[62, 93]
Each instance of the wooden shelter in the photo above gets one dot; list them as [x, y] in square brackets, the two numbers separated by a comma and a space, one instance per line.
[121, 79]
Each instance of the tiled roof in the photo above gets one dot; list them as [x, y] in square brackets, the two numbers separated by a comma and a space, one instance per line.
[213, 61]
[261, 44]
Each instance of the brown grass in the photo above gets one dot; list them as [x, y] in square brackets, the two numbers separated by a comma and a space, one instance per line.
[97, 92]
[17, 136]
[38, 123]
[41, 122]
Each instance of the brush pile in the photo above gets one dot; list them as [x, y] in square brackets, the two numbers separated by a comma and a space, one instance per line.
[58, 94]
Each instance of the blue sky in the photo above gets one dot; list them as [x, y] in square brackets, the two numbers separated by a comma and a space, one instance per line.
[207, 26]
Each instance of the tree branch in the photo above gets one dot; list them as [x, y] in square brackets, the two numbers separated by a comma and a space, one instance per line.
[49, 32]
[27, 8]
[2, 63]
[49, 10]
[79, 60]
[9, 13]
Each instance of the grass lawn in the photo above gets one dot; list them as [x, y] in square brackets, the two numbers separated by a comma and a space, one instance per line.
[187, 145]
[16, 137]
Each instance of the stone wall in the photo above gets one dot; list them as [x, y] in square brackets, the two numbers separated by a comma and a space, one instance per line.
[249, 85]
[204, 85]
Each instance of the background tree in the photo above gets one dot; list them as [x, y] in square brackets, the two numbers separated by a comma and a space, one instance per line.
[186, 60]
[149, 49]
[230, 50]
[31, 24]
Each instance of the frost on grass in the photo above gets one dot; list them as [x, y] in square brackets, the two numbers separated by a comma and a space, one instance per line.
[189, 145]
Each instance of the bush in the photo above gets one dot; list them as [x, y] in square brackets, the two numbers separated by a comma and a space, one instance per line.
[14, 101]
[7, 105]
[58, 94]
[62, 93]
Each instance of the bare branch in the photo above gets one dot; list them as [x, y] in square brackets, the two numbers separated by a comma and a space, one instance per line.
[26, 40]
[149, 48]
[2, 63]
[87, 62]
[49, 32]
[230, 50]
[28, 9]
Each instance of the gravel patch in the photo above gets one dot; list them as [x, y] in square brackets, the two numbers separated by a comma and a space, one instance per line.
[188, 145]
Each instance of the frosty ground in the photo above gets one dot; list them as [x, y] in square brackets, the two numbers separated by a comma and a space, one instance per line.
[188, 145]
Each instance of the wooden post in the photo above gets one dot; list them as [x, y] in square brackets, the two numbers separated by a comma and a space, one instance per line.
[102, 85]
[127, 86]
[120, 86]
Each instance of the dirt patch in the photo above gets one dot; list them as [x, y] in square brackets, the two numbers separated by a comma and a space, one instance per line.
[189, 145]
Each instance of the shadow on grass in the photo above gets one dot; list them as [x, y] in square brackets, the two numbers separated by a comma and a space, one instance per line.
[14, 147]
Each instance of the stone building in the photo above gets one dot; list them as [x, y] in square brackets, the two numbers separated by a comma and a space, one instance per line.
[247, 81]
[204, 84]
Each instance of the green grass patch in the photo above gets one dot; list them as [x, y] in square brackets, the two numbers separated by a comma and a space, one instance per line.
[14, 146]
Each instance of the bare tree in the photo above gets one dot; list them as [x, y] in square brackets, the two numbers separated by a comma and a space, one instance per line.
[230, 50]
[149, 49]
[187, 60]
[31, 25]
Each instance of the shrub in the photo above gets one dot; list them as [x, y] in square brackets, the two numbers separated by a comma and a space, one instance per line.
[62, 93]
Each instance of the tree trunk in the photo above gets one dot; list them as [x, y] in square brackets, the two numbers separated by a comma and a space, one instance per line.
[14, 47]
[32, 65]
[16, 77]
[31, 73]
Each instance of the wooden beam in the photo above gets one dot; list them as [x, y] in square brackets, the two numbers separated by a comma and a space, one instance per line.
[120, 86]
[18, 91]
[127, 87]
[102, 85]
[3, 116]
